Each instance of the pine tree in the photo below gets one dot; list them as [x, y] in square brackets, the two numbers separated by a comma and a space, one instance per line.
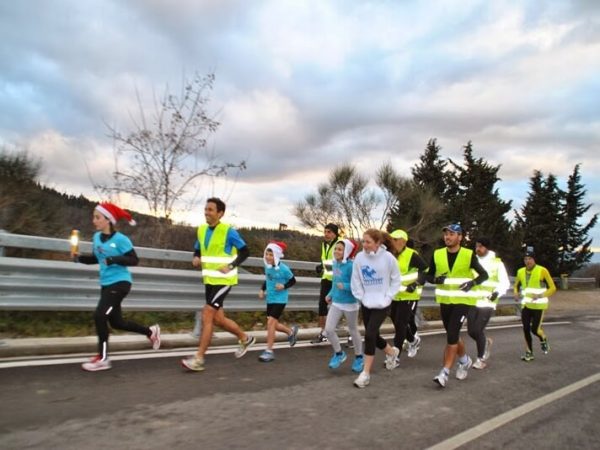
[574, 249]
[419, 212]
[475, 201]
[430, 173]
[539, 220]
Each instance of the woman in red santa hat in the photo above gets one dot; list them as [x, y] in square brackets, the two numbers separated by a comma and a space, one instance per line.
[114, 252]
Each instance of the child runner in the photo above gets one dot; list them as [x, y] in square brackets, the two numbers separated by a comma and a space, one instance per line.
[113, 251]
[279, 278]
[344, 304]
[375, 282]
[535, 285]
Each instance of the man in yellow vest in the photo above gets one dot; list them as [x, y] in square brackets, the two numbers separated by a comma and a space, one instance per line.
[404, 306]
[220, 251]
[533, 286]
[451, 270]
[325, 269]
[493, 288]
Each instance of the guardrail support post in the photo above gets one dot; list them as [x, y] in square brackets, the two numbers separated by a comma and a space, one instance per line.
[197, 331]
[2, 247]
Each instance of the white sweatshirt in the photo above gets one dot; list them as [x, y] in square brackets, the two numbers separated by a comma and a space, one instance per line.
[375, 278]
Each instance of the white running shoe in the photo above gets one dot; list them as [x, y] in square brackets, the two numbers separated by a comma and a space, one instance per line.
[363, 380]
[463, 369]
[488, 349]
[155, 336]
[392, 361]
[441, 378]
[479, 364]
[193, 363]
[413, 347]
[244, 346]
[96, 363]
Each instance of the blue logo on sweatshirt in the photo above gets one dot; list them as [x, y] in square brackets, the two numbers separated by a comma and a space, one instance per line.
[369, 276]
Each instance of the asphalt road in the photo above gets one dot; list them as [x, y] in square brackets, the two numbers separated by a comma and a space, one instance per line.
[297, 403]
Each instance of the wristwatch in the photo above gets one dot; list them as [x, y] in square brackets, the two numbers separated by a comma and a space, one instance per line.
[230, 266]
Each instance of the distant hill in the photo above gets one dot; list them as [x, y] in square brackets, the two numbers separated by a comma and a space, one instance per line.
[47, 212]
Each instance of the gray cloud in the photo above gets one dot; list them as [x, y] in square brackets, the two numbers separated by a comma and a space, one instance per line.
[303, 86]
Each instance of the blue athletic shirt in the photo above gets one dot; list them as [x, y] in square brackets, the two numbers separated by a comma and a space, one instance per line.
[117, 245]
[342, 273]
[233, 240]
[282, 274]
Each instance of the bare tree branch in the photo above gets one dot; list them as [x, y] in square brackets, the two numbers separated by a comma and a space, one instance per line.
[348, 201]
[152, 161]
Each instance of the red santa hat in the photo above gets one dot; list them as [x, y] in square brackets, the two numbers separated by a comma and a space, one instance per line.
[277, 248]
[113, 213]
[350, 249]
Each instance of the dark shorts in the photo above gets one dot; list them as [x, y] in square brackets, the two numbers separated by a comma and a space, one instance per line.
[215, 294]
[275, 310]
[453, 317]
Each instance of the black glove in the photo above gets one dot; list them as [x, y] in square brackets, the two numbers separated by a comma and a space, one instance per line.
[439, 280]
[411, 287]
[494, 296]
[467, 286]
[319, 269]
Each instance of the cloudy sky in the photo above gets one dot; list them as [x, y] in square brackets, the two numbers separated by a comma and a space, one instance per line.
[304, 85]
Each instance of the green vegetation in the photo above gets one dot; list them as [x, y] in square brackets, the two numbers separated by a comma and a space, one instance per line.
[23, 324]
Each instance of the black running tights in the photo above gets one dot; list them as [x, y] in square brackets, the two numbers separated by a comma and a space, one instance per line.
[532, 323]
[477, 320]
[109, 311]
[373, 318]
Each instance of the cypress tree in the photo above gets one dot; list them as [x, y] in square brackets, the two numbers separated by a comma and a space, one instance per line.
[574, 250]
[539, 220]
[430, 172]
[420, 213]
[476, 202]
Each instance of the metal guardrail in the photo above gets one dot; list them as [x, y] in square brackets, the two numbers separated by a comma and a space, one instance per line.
[33, 284]
[62, 246]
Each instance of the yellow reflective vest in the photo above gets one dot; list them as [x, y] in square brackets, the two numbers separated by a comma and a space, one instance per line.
[408, 276]
[327, 260]
[213, 256]
[534, 286]
[449, 292]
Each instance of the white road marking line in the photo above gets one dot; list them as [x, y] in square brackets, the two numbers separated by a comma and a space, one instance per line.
[27, 361]
[504, 418]
[79, 358]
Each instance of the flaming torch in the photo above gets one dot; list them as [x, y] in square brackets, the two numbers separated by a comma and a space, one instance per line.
[74, 240]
